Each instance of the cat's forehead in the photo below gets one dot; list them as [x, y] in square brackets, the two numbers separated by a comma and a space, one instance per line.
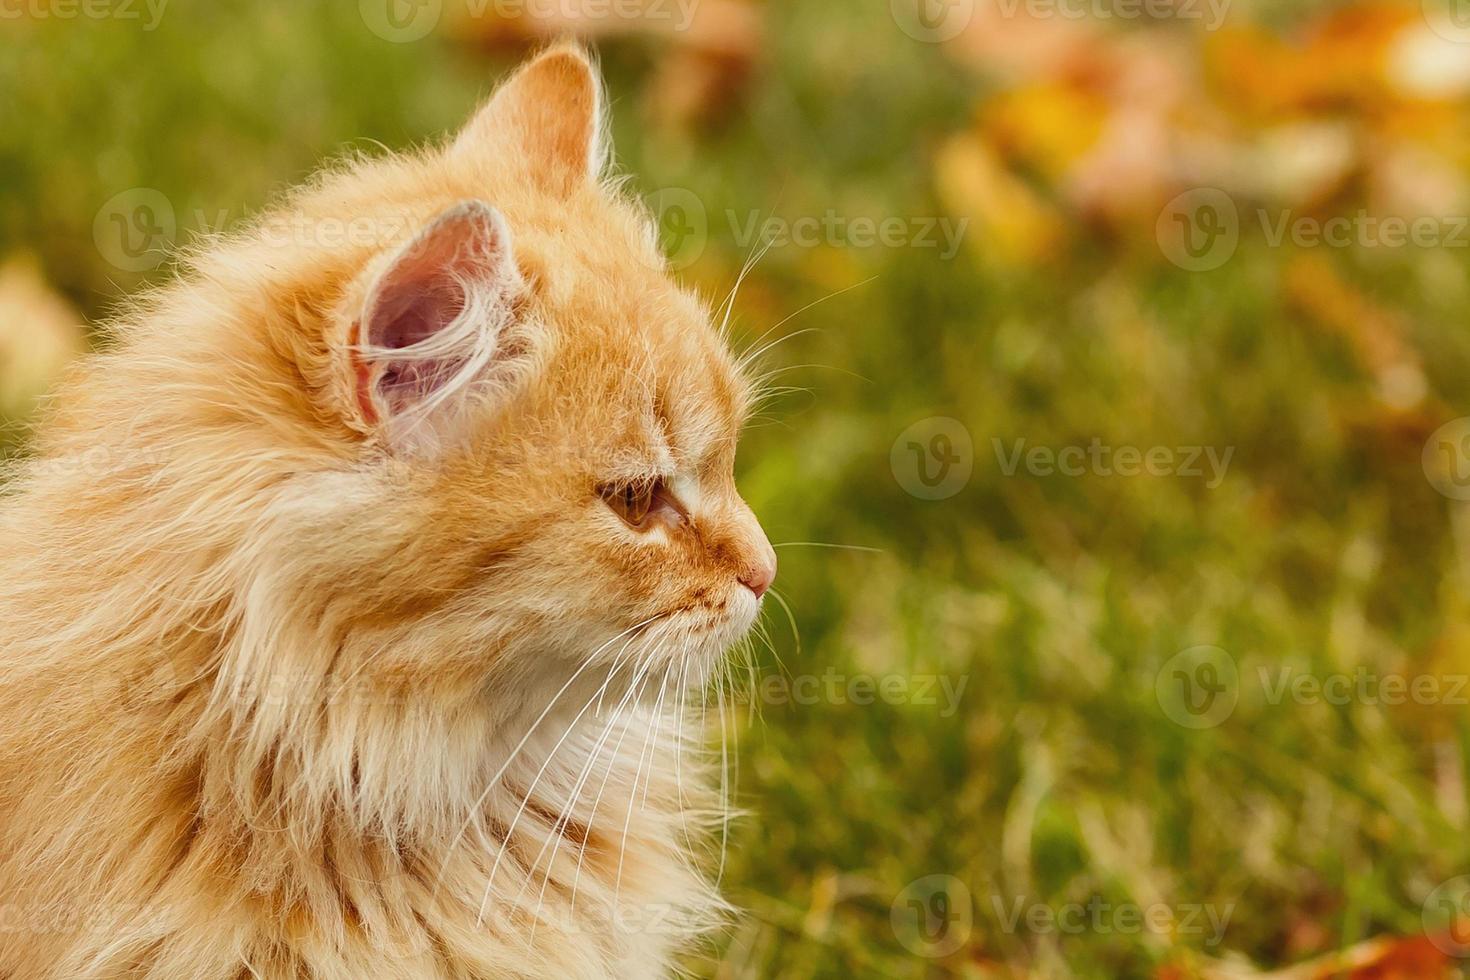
[642, 356]
[604, 286]
[661, 351]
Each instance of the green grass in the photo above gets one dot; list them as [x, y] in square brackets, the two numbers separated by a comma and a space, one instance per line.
[1060, 779]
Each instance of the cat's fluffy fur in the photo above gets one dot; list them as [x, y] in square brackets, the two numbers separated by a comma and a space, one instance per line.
[306, 673]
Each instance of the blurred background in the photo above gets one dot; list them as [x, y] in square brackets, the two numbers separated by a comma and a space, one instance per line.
[1117, 464]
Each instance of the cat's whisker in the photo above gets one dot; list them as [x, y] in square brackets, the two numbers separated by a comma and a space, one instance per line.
[752, 673]
[680, 706]
[586, 770]
[520, 811]
[758, 421]
[815, 303]
[790, 617]
[828, 544]
[525, 739]
[767, 394]
[727, 306]
[770, 644]
[633, 798]
[776, 372]
[634, 687]
[724, 783]
[755, 353]
[557, 834]
[634, 690]
[617, 661]
[646, 763]
[657, 714]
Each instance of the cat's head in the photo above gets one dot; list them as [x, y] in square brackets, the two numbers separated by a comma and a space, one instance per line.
[538, 424]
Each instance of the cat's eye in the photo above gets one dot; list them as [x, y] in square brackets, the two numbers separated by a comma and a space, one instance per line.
[641, 502]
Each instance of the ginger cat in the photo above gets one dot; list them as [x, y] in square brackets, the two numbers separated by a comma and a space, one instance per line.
[356, 644]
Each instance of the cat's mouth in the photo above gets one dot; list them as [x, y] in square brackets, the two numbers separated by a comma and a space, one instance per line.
[716, 621]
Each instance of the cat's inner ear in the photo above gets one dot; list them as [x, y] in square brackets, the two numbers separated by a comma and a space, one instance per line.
[545, 121]
[434, 320]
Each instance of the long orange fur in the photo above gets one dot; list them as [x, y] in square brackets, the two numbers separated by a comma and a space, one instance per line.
[282, 698]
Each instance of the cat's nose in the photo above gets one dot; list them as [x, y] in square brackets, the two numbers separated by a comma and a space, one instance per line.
[758, 575]
[754, 559]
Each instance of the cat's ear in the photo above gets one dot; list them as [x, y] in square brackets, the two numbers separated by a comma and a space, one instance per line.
[546, 120]
[435, 321]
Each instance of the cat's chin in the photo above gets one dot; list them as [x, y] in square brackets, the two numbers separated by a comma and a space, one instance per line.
[714, 629]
